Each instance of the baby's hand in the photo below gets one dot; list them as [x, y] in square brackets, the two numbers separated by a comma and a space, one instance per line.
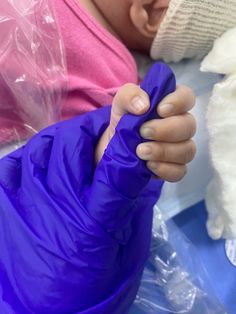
[170, 147]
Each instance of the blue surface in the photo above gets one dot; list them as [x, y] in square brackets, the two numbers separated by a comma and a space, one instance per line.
[221, 273]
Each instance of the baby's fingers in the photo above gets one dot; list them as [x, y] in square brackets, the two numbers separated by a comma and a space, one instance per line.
[170, 130]
[167, 171]
[176, 103]
[177, 153]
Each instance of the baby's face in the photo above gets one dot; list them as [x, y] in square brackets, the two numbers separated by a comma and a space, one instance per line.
[136, 22]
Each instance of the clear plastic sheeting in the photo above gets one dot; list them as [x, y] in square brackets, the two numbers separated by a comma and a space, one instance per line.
[32, 69]
[174, 280]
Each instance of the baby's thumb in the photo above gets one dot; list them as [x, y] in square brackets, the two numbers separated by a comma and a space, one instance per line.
[130, 98]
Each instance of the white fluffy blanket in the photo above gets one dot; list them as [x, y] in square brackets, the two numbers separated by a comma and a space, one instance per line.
[221, 123]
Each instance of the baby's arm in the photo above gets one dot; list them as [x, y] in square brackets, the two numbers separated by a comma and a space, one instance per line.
[170, 147]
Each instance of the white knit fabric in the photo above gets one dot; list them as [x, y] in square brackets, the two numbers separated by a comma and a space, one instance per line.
[190, 28]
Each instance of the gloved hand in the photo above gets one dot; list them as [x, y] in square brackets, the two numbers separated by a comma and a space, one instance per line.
[75, 238]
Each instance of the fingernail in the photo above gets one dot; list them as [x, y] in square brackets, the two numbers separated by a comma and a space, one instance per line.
[146, 132]
[144, 150]
[138, 103]
[165, 109]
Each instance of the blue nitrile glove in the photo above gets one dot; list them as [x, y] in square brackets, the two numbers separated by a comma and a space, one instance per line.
[74, 239]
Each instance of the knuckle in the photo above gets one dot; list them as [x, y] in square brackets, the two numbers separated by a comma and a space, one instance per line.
[132, 90]
[124, 91]
[161, 152]
[181, 127]
[171, 173]
[188, 93]
[128, 86]
[186, 97]
[169, 128]
[193, 149]
[180, 173]
[129, 91]
[191, 125]
[177, 173]
[193, 97]
[190, 152]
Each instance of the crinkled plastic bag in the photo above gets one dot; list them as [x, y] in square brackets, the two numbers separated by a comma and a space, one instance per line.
[32, 69]
[174, 280]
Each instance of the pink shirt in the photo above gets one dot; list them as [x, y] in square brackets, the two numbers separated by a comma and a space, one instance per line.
[98, 63]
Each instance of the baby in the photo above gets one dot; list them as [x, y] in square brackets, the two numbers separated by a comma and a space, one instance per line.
[96, 35]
